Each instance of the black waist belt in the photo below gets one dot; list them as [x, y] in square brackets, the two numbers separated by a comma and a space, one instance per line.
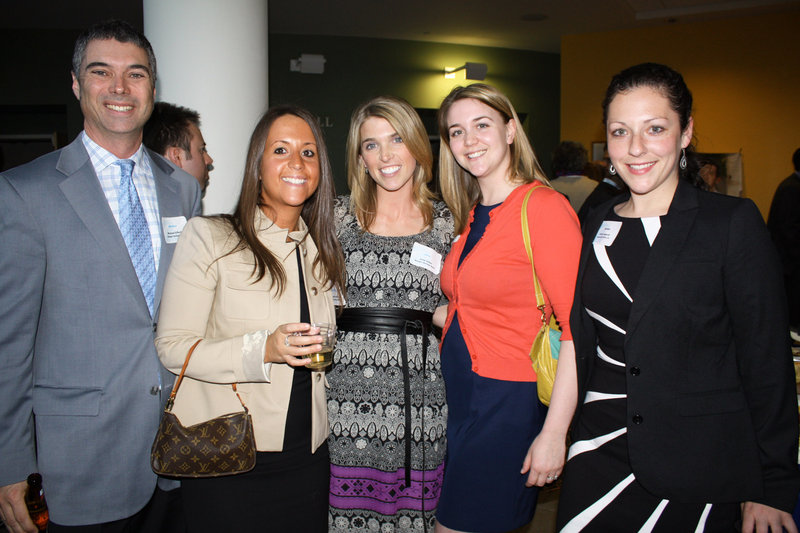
[401, 322]
[384, 320]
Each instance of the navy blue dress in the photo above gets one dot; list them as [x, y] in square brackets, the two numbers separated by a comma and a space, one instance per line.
[490, 426]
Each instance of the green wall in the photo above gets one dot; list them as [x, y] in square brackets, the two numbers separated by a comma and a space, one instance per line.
[357, 69]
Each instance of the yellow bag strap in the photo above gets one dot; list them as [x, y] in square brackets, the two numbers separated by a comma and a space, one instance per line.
[526, 237]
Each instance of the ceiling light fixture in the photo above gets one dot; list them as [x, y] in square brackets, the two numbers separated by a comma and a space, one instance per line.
[700, 9]
[533, 17]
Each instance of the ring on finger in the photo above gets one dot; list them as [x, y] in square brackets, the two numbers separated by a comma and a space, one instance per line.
[286, 341]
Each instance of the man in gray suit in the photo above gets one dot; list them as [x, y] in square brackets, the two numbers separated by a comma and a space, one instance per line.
[86, 237]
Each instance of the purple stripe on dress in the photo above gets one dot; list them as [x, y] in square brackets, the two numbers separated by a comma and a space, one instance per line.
[384, 492]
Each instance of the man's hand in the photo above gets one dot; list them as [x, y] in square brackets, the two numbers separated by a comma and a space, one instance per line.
[13, 509]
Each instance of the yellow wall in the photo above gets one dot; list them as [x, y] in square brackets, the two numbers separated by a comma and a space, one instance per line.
[744, 74]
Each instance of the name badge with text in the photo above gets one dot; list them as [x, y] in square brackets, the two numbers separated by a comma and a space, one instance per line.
[337, 298]
[173, 226]
[607, 232]
[426, 257]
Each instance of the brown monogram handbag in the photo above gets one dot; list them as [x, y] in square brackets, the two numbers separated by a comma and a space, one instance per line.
[222, 446]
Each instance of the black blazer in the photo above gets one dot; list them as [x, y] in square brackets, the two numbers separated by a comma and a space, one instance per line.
[711, 409]
[784, 225]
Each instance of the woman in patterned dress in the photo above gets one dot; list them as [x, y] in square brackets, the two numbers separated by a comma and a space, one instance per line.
[501, 442]
[386, 399]
[688, 417]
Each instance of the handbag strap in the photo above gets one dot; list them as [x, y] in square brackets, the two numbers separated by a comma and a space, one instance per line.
[179, 379]
[526, 237]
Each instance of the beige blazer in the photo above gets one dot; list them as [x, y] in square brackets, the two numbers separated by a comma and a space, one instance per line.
[211, 296]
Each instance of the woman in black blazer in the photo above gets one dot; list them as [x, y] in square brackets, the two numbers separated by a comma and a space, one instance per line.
[687, 418]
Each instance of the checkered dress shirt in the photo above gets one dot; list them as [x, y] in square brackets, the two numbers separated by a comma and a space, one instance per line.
[109, 175]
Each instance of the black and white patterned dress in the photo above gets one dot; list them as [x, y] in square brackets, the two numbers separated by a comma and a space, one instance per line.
[600, 491]
[366, 404]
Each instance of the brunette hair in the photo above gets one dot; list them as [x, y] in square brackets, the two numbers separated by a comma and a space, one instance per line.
[317, 211]
[569, 157]
[670, 84]
[407, 124]
[168, 126]
[459, 189]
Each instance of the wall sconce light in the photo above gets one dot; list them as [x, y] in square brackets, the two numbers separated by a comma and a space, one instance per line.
[308, 64]
[475, 71]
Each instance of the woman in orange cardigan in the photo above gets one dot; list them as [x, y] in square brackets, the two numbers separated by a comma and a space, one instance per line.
[502, 443]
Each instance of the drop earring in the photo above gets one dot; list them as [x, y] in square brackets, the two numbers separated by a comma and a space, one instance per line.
[612, 170]
[683, 159]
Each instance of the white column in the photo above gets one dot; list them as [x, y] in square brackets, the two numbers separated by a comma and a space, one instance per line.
[212, 57]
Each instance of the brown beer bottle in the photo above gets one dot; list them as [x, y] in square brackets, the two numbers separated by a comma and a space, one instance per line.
[34, 499]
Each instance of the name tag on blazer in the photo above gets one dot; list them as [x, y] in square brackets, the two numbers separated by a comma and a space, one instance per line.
[607, 232]
[172, 227]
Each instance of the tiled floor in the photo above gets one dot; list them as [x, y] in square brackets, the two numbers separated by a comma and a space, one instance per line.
[544, 521]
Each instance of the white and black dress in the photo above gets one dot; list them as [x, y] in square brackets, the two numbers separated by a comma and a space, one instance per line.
[600, 492]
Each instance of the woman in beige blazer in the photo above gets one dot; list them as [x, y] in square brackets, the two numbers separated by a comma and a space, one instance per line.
[249, 285]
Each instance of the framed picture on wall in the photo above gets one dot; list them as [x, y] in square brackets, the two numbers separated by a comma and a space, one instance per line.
[599, 152]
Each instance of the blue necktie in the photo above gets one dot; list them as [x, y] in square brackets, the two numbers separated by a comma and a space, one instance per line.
[133, 225]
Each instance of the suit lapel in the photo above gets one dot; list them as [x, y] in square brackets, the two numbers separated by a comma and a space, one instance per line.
[585, 336]
[83, 191]
[674, 231]
[590, 231]
[168, 206]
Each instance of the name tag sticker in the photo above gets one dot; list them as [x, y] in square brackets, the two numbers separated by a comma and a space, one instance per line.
[173, 226]
[425, 257]
[607, 232]
[337, 298]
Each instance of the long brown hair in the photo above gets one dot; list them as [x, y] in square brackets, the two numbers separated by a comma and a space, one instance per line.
[459, 189]
[406, 122]
[317, 210]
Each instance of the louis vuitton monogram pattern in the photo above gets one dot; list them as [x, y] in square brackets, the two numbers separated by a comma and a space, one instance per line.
[221, 446]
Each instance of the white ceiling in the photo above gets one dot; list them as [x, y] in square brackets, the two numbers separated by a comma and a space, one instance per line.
[519, 24]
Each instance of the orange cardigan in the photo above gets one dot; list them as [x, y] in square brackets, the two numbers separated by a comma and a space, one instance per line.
[493, 289]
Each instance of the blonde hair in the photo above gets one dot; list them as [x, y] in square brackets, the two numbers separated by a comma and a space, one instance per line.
[406, 122]
[459, 190]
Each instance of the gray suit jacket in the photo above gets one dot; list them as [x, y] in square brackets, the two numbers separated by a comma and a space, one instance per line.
[79, 374]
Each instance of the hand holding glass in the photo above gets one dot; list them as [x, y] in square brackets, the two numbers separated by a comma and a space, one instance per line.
[323, 359]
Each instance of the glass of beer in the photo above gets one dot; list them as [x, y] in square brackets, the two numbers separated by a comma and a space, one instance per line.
[323, 359]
